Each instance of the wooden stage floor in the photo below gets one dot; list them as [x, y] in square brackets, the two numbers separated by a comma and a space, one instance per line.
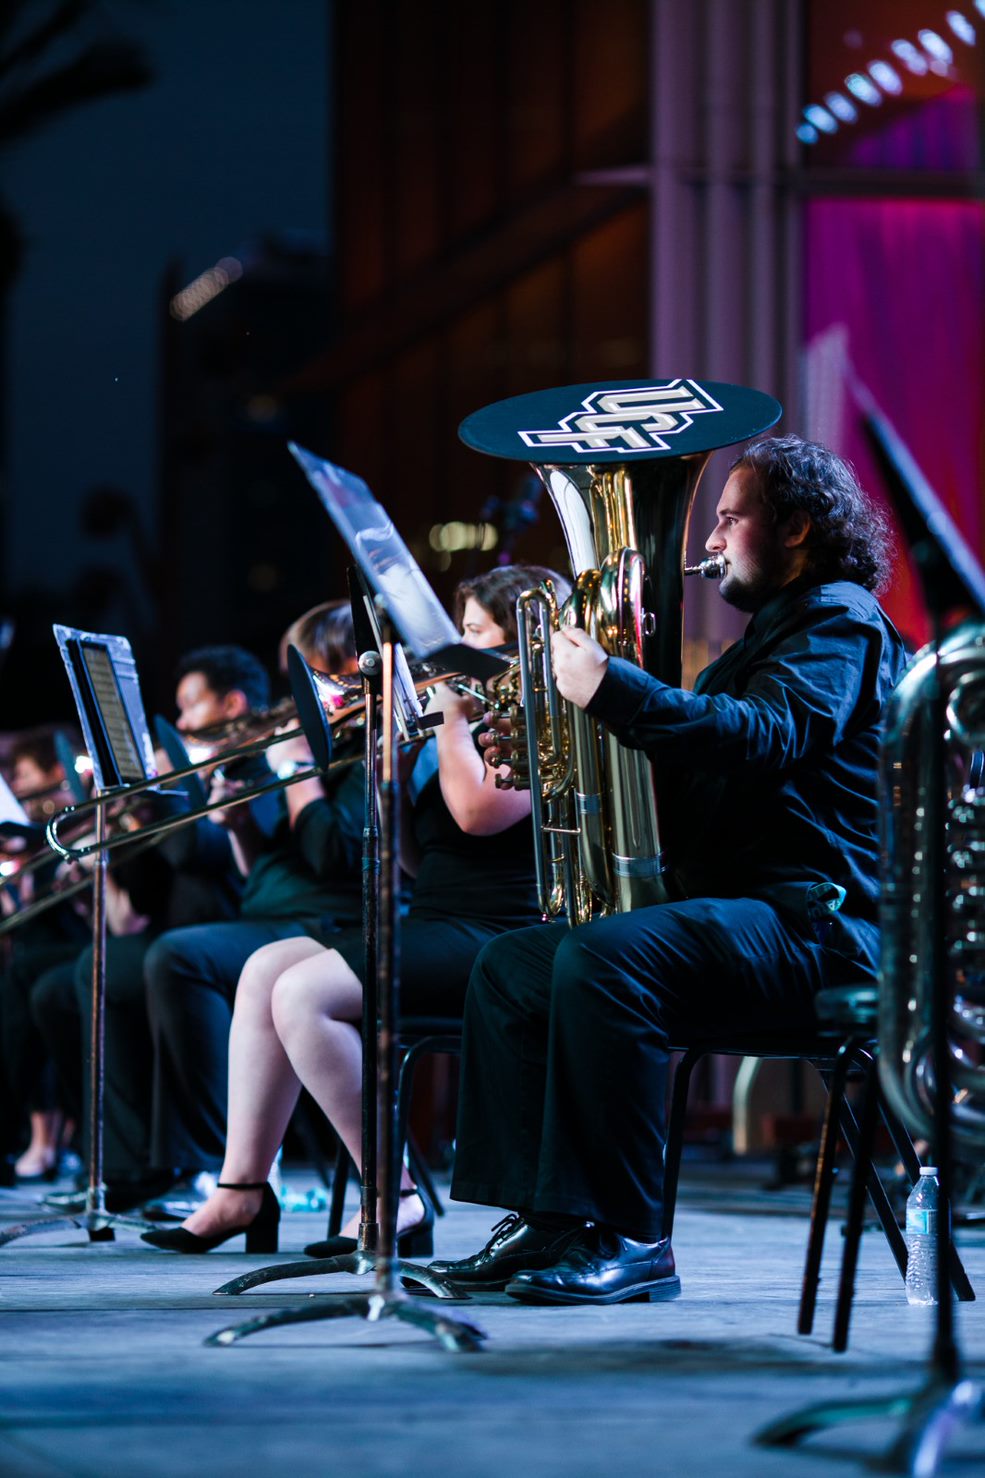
[103, 1370]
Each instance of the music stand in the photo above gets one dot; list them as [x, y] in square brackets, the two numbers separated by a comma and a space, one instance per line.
[951, 580]
[103, 678]
[392, 595]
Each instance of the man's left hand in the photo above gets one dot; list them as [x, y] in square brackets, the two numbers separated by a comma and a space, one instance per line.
[579, 664]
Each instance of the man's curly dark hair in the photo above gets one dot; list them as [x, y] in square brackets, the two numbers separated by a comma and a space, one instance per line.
[850, 538]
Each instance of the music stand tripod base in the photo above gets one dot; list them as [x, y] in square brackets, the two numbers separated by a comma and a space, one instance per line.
[99, 1225]
[457, 1335]
[357, 1262]
[930, 1418]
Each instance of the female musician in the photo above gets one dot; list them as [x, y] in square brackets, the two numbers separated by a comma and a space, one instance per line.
[299, 1002]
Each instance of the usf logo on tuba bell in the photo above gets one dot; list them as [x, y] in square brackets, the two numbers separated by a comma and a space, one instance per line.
[627, 421]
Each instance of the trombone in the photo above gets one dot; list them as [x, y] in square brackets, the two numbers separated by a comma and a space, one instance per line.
[322, 704]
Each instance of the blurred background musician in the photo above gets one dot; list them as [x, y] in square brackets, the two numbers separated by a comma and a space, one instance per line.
[188, 877]
[302, 878]
[468, 845]
[29, 1101]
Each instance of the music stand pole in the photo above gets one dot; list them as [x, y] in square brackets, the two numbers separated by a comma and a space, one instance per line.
[387, 1300]
[95, 1219]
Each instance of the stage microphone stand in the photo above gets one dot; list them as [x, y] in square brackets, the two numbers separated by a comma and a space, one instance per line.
[94, 1219]
[376, 1251]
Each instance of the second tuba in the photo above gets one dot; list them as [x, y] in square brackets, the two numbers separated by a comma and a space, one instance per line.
[621, 463]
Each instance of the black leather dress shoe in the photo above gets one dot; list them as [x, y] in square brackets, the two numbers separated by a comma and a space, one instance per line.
[601, 1267]
[513, 1246]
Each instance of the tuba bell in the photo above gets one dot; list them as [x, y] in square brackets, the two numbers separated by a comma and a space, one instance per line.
[914, 813]
[621, 464]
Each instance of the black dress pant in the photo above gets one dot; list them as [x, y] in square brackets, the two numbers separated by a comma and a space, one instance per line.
[62, 1006]
[567, 1035]
[26, 1081]
[191, 977]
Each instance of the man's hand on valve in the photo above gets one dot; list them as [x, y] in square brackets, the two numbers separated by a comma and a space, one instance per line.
[579, 664]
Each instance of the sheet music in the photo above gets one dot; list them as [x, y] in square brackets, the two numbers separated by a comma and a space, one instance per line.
[10, 807]
[110, 700]
[388, 565]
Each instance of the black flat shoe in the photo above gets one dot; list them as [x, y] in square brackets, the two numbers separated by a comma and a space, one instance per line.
[261, 1232]
[416, 1242]
[514, 1246]
[602, 1267]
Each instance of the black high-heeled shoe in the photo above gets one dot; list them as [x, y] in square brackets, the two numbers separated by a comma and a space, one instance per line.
[261, 1232]
[416, 1242]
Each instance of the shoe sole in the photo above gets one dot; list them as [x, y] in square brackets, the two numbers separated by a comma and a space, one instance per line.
[664, 1289]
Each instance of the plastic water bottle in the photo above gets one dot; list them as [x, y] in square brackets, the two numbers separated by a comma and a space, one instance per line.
[921, 1238]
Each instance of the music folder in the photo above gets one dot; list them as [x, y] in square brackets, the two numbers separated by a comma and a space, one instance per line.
[391, 572]
[103, 677]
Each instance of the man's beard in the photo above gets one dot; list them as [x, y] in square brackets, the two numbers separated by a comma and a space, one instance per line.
[762, 580]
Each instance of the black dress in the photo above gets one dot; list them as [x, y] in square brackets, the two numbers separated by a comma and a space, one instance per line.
[468, 889]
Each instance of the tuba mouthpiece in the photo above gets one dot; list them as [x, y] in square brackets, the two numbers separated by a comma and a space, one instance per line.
[712, 568]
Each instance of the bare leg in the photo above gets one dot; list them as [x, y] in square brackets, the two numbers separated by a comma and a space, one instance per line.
[42, 1152]
[316, 1008]
[263, 1087]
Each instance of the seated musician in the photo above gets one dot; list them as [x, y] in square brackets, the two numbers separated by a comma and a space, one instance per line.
[299, 877]
[28, 1087]
[299, 1001]
[767, 771]
[185, 878]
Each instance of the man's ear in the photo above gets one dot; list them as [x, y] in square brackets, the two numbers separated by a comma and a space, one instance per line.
[796, 530]
[235, 703]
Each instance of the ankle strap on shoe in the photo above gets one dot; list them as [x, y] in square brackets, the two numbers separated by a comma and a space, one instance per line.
[411, 1190]
[240, 1185]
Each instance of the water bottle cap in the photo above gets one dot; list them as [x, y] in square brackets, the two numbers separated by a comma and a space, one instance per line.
[928, 1169]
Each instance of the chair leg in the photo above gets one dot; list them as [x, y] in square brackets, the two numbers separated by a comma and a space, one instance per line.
[823, 1181]
[856, 1208]
[876, 1190]
[340, 1180]
[675, 1136]
[903, 1145]
[309, 1138]
[421, 1172]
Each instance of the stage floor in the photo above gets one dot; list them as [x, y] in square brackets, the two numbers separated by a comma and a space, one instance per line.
[103, 1369]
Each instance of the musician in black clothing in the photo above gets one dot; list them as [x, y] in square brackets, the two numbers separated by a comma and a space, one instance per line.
[767, 778]
[28, 1090]
[468, 844]
[300, 877]
[187, 878]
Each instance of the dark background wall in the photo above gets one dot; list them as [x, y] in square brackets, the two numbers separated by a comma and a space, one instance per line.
[227, 142]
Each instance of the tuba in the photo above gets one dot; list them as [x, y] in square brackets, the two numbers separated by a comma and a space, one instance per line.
[621, 464]
[932, 820]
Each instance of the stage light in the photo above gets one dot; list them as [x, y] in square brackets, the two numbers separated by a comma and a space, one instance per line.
[821, 118]
[865, 90]
[980, 6]
[887, 79]
[447, 538]
[807, 133]
[841, 107]
[913, 60]
[7, 869]
[205, 287]
[962, 27]
[936, 47]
